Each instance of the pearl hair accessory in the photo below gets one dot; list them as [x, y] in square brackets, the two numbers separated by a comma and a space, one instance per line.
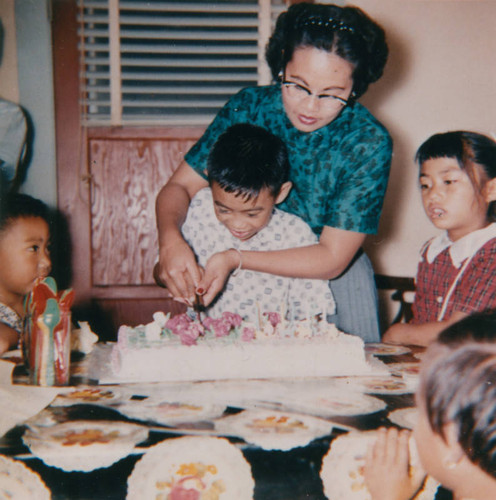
[328, 23]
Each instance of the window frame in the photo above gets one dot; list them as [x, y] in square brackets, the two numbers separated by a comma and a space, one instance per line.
[110, 97]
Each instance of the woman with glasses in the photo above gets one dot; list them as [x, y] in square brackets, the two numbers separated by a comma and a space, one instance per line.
[322, 58]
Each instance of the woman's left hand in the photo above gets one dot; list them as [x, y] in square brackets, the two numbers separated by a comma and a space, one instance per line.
[218, 268]
[387, 467]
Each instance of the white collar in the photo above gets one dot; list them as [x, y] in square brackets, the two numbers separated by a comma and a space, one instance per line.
[460, 249]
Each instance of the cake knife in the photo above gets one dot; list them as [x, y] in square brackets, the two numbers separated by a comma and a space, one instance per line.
[198, 307]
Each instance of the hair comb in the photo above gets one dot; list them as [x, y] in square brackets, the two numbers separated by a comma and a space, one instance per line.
[327, 23]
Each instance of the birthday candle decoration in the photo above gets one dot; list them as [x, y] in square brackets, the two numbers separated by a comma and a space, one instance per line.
[259, 317]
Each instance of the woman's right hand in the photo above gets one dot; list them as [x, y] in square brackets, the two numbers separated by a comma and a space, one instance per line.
[178, 271]
[177, 268]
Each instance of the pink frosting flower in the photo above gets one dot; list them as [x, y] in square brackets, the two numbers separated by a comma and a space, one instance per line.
[248, 334]
[196, 329]
[232, 319]
[274, 318]
[208, 323]
[190, 335]
[178, 323]
[187, 329]
[220, 327]
[187, 338]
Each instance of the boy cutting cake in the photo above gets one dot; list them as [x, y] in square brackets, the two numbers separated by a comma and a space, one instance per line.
[248, 172]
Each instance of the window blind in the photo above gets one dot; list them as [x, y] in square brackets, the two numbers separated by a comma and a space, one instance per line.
[169, 62]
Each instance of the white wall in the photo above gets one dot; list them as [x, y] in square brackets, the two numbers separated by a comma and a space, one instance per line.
[26, 78]
[441, 76]
[9, 87]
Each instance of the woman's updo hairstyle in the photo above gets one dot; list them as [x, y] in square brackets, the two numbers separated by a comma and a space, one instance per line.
[346, 31]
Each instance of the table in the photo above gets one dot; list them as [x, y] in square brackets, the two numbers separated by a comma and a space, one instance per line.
[278, 475]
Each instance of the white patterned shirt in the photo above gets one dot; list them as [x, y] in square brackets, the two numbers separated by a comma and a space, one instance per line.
[250, 293]
[9, 317]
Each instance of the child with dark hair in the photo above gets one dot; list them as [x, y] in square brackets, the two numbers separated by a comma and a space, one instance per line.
[456, 426]
[457, 270]
[478, 327]
[24, 257]
[248, 170]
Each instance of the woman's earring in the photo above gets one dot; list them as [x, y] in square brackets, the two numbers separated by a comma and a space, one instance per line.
[280, 75]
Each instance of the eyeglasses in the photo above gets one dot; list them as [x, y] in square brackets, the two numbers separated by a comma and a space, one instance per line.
[299, 92]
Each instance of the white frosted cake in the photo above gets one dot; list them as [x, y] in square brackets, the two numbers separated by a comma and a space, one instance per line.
[227, 348]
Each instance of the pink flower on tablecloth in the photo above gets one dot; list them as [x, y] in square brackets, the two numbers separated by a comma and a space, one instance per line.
[182, 492]
[248, 334]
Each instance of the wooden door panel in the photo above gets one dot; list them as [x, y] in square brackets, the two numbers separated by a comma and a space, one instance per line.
[126, 175]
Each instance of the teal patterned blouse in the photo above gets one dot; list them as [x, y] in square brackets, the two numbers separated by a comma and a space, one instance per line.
[339, 172]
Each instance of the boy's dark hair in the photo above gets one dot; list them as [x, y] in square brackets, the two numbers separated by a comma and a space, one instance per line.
[470, 150]
[458, 385]
[247, 158]
[16, 205]
[346, 31]
[478, 327]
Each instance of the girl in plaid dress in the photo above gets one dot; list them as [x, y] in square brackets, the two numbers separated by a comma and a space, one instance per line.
[457, 269]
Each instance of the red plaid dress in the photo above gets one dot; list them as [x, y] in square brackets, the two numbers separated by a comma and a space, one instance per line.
[475, 290]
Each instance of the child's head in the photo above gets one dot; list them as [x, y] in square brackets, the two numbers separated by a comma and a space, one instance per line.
[457, 409]
[457, 399]
[479, 327]
[458, 181]
[248, 171]
[24, 240]
[345, 31]
[325, 57]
